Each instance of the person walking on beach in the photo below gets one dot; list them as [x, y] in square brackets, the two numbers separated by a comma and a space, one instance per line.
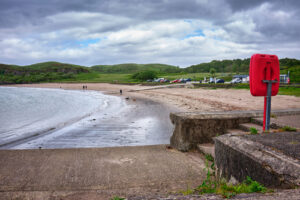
[121, 92]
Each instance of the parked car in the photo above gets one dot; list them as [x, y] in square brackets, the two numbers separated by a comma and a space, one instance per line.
[188, 79]
[220, 81]
[158, 80]
[175, 81]
[236, 80]
[211, 80]
[182, 80]
[164, 80]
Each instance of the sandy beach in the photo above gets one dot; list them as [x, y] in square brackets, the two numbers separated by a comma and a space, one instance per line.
[185, 99]
[146, 121]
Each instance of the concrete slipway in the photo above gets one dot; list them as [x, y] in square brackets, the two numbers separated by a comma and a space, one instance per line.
[47, 173]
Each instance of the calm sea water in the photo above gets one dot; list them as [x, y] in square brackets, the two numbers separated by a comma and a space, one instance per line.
[27, 111]
[55, 118]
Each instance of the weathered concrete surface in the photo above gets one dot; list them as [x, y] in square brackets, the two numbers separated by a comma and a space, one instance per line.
[286, 142]
[99, 195]
[107, 172]
[192, 128]
[277, 195]
[281, 121]
[159, 87]
[207, 148]
[238, 157]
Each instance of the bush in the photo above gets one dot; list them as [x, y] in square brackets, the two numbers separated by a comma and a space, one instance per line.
[144, 75]
[253, 131]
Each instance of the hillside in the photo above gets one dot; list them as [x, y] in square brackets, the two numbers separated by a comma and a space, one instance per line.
[40, 72]
[234, 66]
[242, 66]
[130, 68]
[63, 72]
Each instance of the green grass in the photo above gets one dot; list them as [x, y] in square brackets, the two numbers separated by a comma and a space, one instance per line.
[242, 86]
[213, 186]
[288, 128]
[127, 78]
[253, 131]
[289, 91]
[117, 198]
[209, 157]
[100, 78]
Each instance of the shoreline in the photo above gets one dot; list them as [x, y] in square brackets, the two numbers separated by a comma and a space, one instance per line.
[123, 121]
[184, 99]
[168, 100]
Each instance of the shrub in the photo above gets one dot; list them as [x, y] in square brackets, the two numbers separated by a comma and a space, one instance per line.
[212, 185]
[253, 131]
[144, 75]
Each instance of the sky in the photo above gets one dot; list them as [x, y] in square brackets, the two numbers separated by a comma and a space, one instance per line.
[176, 32]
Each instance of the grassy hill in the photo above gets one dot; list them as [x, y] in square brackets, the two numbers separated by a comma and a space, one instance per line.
[221, 66]
[242, 66]
[63, 72]
[40, 72]
[133, 68]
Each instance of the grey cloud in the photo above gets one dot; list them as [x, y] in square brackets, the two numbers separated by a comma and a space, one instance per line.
[35, 10]
[238, 5]
[265, 24]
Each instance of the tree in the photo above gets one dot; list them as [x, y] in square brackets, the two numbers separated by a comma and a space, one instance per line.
[212, 71]
[144, 75]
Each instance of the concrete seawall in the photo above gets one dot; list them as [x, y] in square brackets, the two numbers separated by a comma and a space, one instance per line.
[192, 128]
[270, 158]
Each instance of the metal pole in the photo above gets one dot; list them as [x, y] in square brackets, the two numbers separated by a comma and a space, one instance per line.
[269, 93]
[268, 99]
[265, 111]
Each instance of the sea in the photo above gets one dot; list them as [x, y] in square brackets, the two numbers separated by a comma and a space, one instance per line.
[33, 118]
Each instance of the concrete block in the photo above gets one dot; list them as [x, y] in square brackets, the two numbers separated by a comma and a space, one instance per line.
[238, 157]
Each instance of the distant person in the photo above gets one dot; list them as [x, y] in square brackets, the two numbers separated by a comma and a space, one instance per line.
[121, 92]
[83, 87]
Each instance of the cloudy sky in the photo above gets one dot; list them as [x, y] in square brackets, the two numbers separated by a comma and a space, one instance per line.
[177, 32]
